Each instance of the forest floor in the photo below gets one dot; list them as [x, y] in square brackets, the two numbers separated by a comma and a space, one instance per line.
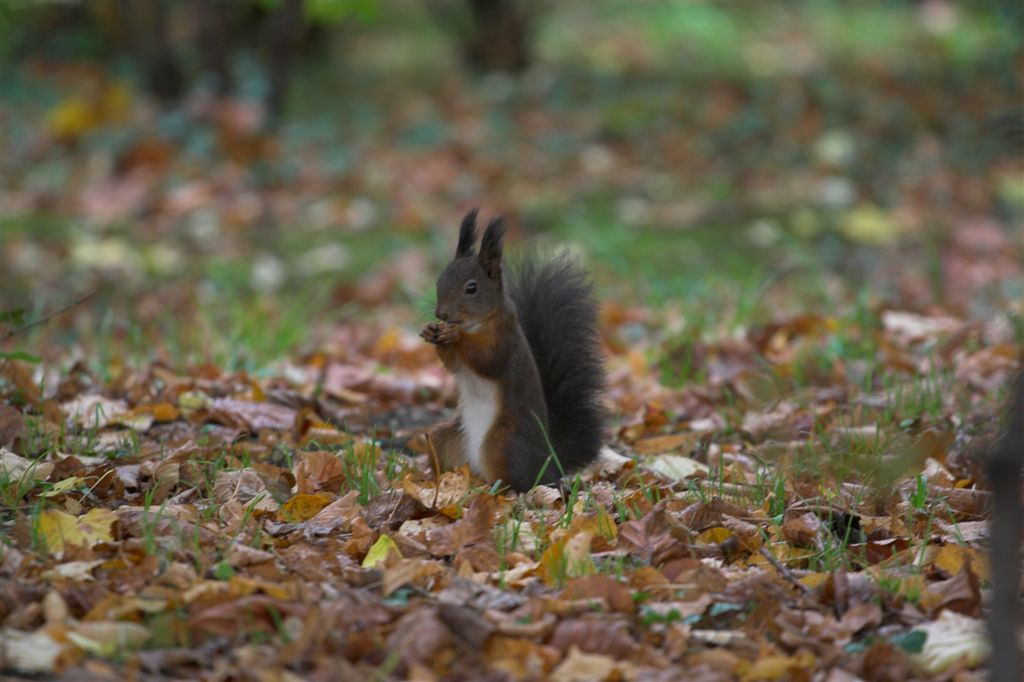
[808, 254]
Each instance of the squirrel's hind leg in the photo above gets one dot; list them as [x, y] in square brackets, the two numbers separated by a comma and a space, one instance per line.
[447, 442]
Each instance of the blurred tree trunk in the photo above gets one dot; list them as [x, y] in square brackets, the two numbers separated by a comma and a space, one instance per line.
[493, 35]
[1004, 470]
[215, 42]
[285, 32]
[499, 39]
[151, 43]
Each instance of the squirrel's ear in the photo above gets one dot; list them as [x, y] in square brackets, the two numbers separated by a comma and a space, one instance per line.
[490, 248]
[467, 235]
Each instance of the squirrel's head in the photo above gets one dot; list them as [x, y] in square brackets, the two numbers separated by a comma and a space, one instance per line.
[470, 288]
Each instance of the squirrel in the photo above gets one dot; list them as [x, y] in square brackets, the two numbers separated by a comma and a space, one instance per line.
[527, 361]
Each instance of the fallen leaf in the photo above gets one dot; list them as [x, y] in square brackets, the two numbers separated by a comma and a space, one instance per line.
[61, 529]
[660, 444]
[581, 667]
[30, 653]
[79, 571]
[17, 467]
[676, 467]
[303, 507]
[12, 426]
[952, 639]
[107, 639]
[381, 551]
[594, 636]
[317, 471]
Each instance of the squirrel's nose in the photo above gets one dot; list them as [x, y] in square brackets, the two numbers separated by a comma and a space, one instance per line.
[441, 314]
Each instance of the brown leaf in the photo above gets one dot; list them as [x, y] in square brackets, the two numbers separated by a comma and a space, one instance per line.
[600, 587]
[318, 471]
[802, 530]
[241, 556]
[243, 486]
[654, 445]
[466, 624]
[701, 515]
[391, 509]
[594, 635]
[251, 613]
[519, 657]
[783, 422]
[20, 374]
[655, 538]
[12, 426]
[877, 551]
[419, 636]
[885, 662]
[251, 416]
[960, 593]
[475, 526]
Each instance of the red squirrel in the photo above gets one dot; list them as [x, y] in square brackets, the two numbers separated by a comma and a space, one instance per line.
[527, 361]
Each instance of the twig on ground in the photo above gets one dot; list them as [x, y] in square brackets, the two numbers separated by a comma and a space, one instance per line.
[783, 571]
[436, 463]
[47, 317]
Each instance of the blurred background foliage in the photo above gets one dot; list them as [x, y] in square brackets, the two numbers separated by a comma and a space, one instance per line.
[233, 178]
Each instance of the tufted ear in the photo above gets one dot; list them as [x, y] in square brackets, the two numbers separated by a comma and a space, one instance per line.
[467, 235]
[490, 248]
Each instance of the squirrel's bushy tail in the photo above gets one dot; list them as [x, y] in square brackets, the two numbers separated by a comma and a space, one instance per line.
[555, 304]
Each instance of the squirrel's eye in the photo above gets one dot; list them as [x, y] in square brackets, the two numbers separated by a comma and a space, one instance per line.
[471, 286]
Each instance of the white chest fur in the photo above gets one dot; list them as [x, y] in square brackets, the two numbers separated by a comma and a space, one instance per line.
[478, 406]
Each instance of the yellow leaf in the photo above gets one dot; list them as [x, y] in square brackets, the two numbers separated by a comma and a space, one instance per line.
[303, 507]
[868, 224]
[164, 412]
[94, 527]
[73, 117]
[240, 586]
[380, 551]
[64, 486]
[553, 562]
[79, 114]
[107, 639]
[768, 668]
[951, 559]
[453, 488]
[61, 529]
[714, 535]
[606, 527]
[568, 556]
[387, 342]
[812, 580]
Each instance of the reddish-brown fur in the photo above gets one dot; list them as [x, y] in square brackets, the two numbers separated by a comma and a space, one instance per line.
[514, 424]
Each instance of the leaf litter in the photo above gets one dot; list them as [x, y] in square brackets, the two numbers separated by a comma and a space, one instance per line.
[790, 512]
[244, 527]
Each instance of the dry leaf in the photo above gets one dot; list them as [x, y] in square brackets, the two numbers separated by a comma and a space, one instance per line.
[951, 639]
[61, 530]
[581, 667]
[303, 507]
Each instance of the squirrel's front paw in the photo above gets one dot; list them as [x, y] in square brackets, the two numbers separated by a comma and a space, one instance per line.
[429, 332]
[440, 333]
[449, 333]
